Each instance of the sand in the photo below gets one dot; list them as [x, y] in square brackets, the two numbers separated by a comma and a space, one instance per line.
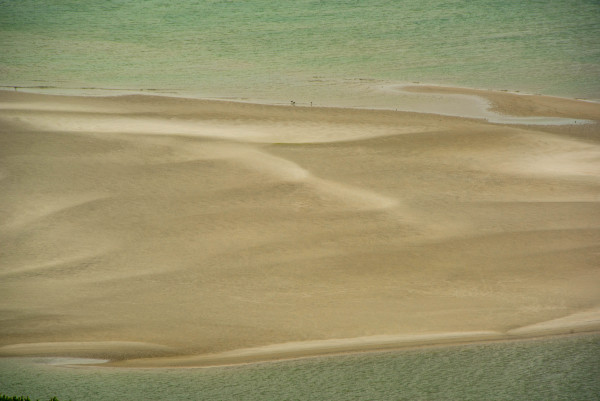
[193, 233]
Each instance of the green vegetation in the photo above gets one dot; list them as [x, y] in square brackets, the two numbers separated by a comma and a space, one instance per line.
[21, 398]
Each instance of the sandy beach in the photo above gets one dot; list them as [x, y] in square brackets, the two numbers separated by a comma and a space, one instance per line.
[156, 231]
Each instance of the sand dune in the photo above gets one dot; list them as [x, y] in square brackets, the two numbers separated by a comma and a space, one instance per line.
[206, 228]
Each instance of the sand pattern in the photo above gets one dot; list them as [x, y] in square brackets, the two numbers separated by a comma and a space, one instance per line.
[208, 232]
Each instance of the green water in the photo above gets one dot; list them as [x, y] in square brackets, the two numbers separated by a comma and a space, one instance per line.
[552, 369]
[326, 51]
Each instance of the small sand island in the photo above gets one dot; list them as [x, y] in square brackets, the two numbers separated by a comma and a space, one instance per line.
[153, 231]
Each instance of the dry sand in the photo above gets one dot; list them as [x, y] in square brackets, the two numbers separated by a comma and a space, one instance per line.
[210, 232]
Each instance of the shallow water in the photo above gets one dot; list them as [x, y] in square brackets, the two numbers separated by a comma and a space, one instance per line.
[564, 368]
[342, 52]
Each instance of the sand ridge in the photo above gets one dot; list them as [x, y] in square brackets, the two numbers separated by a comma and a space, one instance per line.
[207, 227]
[581, 322]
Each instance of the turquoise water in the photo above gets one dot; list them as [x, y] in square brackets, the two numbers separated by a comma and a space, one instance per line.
[327, 51]
[553, 369]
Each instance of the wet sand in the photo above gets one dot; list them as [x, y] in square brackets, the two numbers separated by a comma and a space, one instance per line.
[212, 232]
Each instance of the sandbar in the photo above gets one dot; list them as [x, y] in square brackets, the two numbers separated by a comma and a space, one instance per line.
[157, 231]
